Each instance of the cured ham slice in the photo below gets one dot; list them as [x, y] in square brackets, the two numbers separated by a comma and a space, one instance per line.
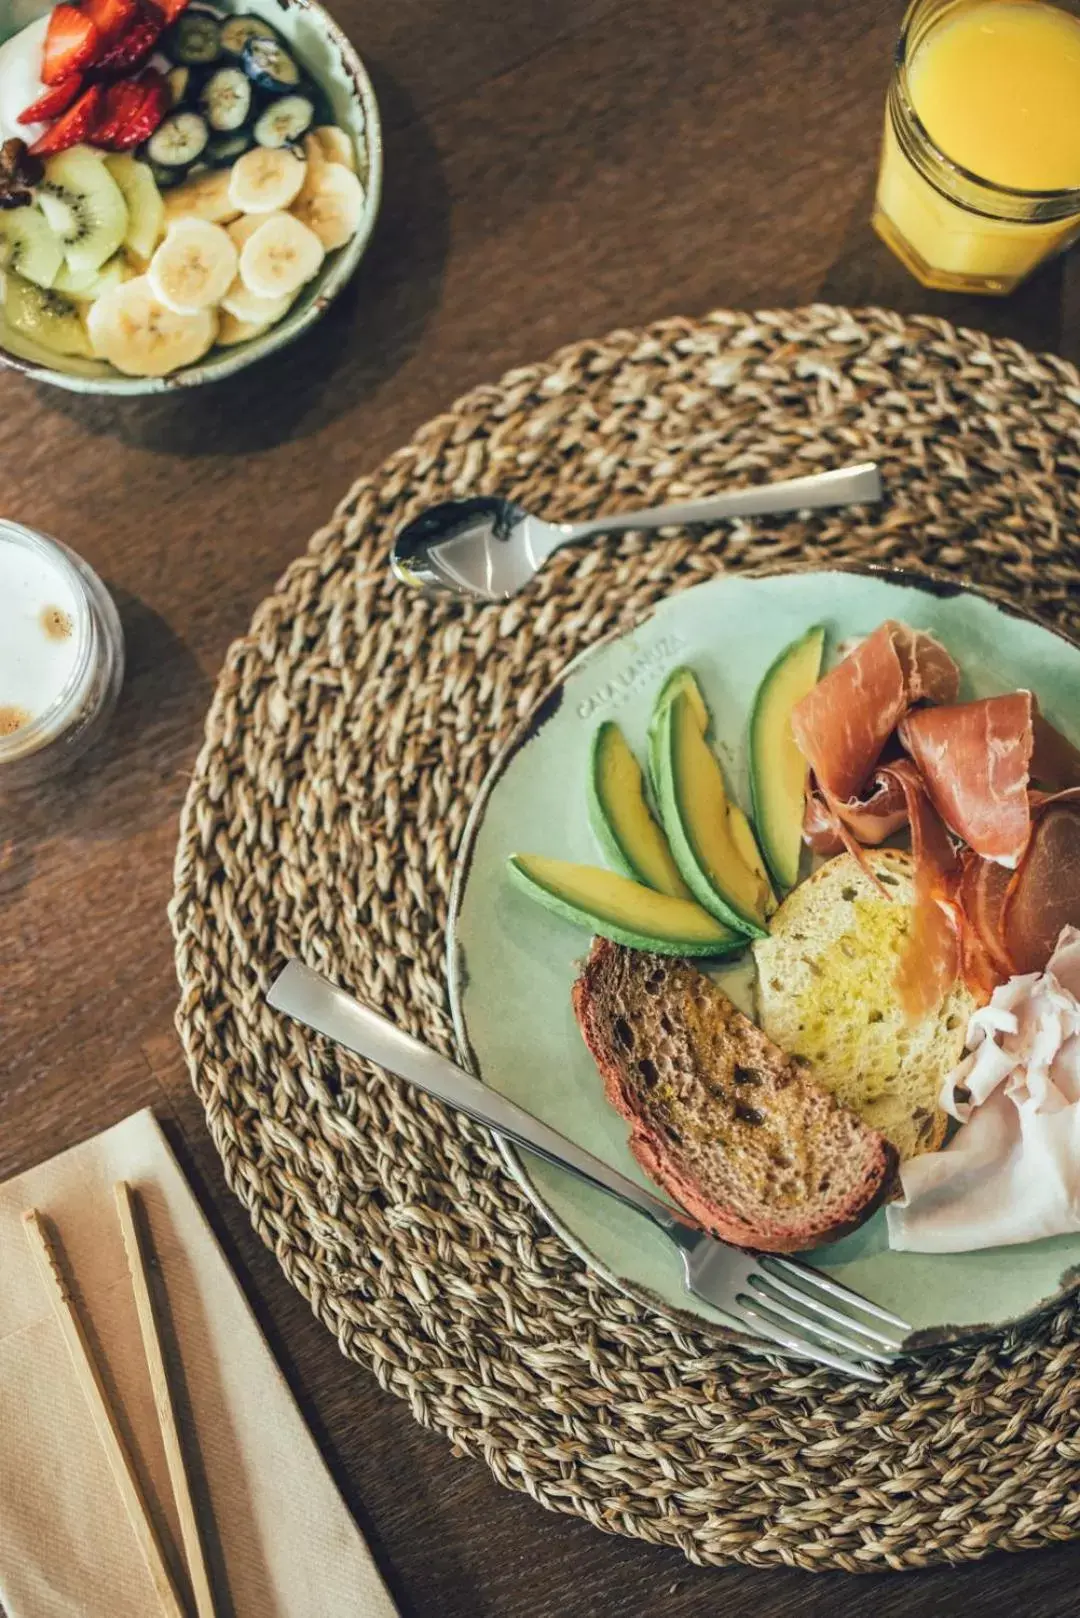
[842, 725]
[1044, 897]
[976, 761]
[932, 956]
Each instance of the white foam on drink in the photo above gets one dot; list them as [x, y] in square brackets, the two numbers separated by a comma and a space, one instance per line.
[42, 623]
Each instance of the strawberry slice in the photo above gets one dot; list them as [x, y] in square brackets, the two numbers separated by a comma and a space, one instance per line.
[134, 45]
[71, 43]
[111, 18]
[172, 8]
[77, 124]
[55, 101]
[132, 110]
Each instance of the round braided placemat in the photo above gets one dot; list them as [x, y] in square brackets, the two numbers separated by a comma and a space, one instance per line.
[350, 732]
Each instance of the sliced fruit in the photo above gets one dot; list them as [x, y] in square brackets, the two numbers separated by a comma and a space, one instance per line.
[680, 679]
[178, 140]
[49, 318]
[203, 196]
[56, 100]
[75, 125]
[232, 331]
[223, 150]
[337, 145]
[284, 121]
[131, 329]
[694, 808]
[331, 204]
[269, 66]
[135, 44]
[85, 207]
[132, 111]
[243, 229]
[71, 43]
[245, 305]
[742, 835]
[111, 18]
[236, 31]
[146, 209]
[621, 910]
[194, 267]
[194, 39]
[620, 818]
[778, 770]
[178, 79]
[171, 9]
[266, 179]
[280, 257]
[85, 287]
[29, 246]
[225, 99]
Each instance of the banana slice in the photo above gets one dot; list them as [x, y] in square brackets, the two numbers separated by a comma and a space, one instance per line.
[206, 196]
[243, 229]
[194, 267]
[141, 337]
[331, 204]
[245, 305]
[265, 179]
[232, 331]
[337, 145]
[277, 260]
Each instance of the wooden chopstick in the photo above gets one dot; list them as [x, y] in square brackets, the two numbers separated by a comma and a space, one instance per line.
[105, 1419]
[194, 1551]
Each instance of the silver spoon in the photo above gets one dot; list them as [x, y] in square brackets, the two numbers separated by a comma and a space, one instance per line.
[490, 548]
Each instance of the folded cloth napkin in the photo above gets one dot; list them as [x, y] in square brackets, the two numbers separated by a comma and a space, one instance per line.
[280, 1542]
[1012, 1172]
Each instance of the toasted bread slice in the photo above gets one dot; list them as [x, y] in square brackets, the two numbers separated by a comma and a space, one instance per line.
[735, 1130]
[826, 991]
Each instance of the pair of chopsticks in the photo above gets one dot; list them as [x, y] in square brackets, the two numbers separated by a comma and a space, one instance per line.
[105, 1418]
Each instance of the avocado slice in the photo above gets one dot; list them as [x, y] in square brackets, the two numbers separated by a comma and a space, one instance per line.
[621, 910]
[708, 842]
[777, 768]
[621, 820]
[680, 680]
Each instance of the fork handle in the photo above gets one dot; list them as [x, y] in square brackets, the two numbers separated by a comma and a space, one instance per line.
[314, 1000]
[846, 485]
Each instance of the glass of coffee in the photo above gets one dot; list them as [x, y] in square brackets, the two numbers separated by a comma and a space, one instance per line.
[61, 656]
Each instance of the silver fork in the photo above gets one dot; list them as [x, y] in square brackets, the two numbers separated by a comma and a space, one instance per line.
[789, 1305]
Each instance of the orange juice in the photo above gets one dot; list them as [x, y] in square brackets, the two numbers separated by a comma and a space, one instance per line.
[980, 171]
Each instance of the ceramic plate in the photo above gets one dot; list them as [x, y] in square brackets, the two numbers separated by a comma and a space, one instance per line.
[512, 963]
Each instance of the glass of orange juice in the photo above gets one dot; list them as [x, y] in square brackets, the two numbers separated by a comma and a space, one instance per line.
[980, 168]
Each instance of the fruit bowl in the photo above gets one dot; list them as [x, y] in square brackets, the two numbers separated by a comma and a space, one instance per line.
[311, 35]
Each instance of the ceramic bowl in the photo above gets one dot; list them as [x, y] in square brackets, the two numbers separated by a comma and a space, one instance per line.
[320, 46]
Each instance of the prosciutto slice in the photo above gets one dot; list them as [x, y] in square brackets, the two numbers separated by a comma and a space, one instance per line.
[979, 760]
[1044, 896]
[931, 958]
[842, 725]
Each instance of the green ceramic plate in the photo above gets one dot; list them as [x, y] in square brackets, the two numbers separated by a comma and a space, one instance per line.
[512, 963]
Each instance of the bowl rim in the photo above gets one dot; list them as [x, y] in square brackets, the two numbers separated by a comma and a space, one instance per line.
[226, 362]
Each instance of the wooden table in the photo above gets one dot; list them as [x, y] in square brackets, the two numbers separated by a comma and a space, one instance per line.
[554, 168]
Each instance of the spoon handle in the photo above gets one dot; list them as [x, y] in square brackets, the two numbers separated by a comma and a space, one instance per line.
[848, 485]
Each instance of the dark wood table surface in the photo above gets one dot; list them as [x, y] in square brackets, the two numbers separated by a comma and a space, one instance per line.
[554, 169]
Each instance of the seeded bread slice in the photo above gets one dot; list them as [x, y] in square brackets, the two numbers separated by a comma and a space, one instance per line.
[826, 992]
[734, 1129]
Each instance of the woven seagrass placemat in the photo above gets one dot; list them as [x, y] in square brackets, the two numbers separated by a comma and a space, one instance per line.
[349, 734]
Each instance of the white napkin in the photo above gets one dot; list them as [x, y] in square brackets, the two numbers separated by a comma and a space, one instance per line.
[281, 1543]
[1011, 1173]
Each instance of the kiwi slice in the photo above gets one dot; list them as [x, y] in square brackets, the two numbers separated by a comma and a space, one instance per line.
[49, 318]
[85, 207]
[88, 285]
[28, 246]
